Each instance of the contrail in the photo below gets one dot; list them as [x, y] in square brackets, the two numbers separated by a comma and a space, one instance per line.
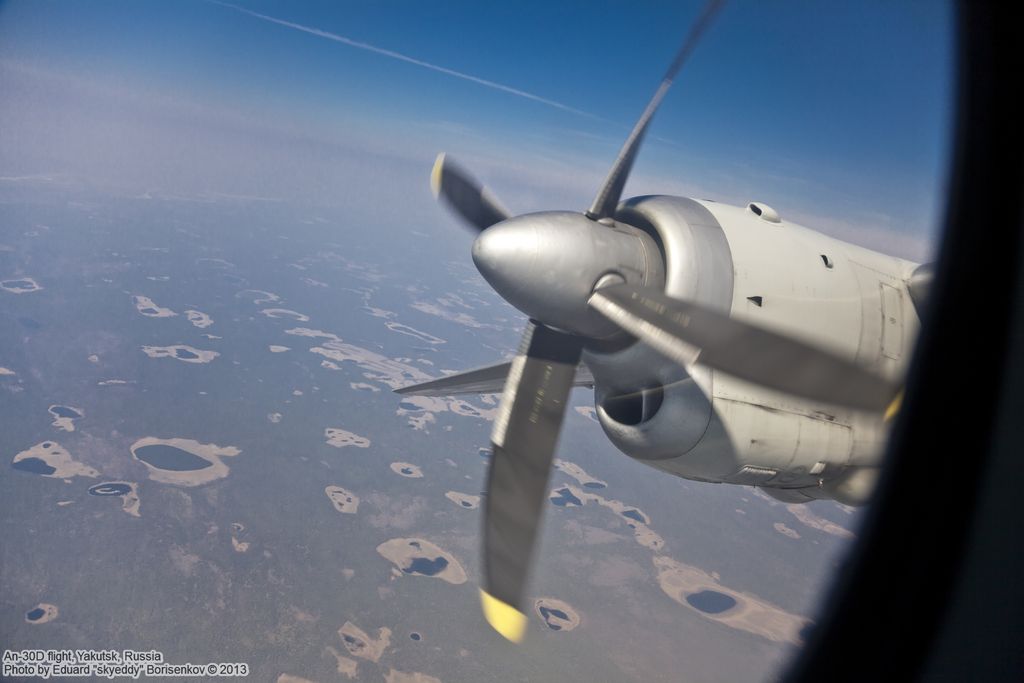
[405, 58]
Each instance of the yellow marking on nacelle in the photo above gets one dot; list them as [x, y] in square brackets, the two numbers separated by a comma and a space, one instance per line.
[894, 407]
[503, 618]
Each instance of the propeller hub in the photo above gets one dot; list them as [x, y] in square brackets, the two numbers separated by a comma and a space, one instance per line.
[548, 264]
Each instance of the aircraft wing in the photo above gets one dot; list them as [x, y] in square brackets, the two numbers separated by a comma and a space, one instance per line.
[485, 380]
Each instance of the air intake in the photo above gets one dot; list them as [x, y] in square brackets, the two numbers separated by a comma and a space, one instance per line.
[764, 212]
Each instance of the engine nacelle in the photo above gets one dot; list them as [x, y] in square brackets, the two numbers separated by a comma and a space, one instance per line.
[692, 423]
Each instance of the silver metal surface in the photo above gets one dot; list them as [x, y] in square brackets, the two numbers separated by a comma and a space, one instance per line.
[548, 264]
[853, 487]
[687, 332]
[698, 267]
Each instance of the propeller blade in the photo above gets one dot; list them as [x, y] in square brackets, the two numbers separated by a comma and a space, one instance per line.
[687, 333]
[465, 195]
[485, 380]
[611, 192]
[524, 439]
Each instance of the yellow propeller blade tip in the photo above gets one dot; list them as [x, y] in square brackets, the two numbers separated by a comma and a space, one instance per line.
[503, 618]
[435, 175]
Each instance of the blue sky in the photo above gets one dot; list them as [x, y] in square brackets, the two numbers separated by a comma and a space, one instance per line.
[838, 114]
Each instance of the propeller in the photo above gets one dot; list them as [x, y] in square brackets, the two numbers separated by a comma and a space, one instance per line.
[581, 277]
[608, 196]
[523, 446]
[465, 195]
[527, 259]
[687, 332]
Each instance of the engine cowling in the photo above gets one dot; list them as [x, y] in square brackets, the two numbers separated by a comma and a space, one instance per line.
[650, 409]
[676, 419]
